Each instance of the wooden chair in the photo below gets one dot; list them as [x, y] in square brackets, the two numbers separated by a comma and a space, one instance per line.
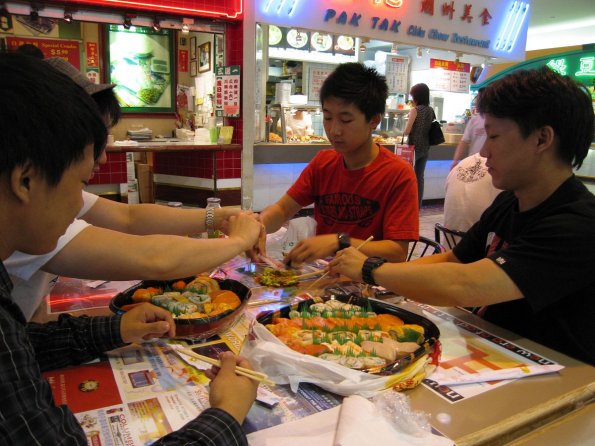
[451, 236]
[424, 247]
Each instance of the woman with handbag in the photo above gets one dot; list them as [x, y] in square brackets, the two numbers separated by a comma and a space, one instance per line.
[418, 131]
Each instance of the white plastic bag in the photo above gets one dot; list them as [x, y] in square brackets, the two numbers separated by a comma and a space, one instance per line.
[298, 229]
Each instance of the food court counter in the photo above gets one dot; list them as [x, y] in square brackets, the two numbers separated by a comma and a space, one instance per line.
[174, 146]
[277, 166]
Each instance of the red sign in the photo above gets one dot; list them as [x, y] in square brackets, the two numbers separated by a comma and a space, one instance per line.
[230, 9]
[183, 61]
[67, 49]
[92, 54]
[450, 65]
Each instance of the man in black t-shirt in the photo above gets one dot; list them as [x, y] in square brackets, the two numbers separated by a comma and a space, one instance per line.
[530, 259]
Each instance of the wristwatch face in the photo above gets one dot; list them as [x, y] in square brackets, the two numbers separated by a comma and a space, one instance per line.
[344, 240]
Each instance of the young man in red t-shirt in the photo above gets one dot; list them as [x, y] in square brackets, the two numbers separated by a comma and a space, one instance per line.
[359, 189]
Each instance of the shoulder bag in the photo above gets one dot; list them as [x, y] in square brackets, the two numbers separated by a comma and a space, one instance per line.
[436, 136]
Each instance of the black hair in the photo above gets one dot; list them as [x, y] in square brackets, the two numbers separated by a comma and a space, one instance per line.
[48, 119]
[29, 49]
[359, 85]
[108, 105]
[538, 98]
[420, 94]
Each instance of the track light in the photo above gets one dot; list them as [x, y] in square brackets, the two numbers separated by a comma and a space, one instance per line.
[156, 24]
[185, 28]
[419, 53]
[127, 21]
[67, 16]
[34, 14]
[186, 22]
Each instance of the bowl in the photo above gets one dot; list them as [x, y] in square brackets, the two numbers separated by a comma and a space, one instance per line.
[198, 328]
[431, 331]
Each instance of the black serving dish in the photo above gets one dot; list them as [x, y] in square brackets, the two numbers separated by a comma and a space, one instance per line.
[197, 328]
[431, 332]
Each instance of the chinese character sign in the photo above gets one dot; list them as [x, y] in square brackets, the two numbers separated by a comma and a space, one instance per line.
[227, 91]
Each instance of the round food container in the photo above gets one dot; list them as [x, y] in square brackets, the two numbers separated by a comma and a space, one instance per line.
[196, 328]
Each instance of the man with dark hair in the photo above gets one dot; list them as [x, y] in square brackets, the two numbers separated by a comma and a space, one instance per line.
[529, 260]
[42, 173]
[359, 189]
[29, 49]
[105, 228]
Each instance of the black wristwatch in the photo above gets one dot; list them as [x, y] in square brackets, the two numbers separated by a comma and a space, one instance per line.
[344, 240]
[368, 268]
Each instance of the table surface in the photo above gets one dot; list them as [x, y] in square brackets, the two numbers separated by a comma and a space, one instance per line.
[545, 403]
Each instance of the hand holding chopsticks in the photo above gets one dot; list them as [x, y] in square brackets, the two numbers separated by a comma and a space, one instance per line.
[248, 373]
[325, 274]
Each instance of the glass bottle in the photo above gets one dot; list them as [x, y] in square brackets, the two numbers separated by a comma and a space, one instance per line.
[213, 202]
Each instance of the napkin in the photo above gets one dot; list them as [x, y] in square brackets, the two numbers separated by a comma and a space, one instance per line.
[357, 422]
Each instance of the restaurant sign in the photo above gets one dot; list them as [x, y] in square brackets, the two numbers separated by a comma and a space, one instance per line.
[484, 27]
[228, 9]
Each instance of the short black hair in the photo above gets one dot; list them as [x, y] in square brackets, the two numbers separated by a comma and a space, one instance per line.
[30, 50]
[420, 94]
[108, 105]
[48, 119]
[359, 85]
[542, 97]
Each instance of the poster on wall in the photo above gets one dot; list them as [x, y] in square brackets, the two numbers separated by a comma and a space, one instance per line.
[67, 49]
[227, 91]
[448, 75]
[397, 73]
[140, 62]
[317, 73]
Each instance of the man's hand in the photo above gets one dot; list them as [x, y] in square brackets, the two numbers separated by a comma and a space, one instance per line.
[348, 262]
[246, 228]
[313, 248]
[145, 322]
[232, 393]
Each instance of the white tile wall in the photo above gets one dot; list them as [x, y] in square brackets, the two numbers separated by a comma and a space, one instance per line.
[271, 181]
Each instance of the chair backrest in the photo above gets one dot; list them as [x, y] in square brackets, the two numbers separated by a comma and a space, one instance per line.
[451, 236]
[424, 247]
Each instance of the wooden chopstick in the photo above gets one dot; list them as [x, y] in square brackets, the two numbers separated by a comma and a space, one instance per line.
[248, 373]
[310, 274]
[325, 274]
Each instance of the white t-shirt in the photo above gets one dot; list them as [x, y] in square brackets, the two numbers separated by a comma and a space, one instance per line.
[468, 192]
[475, 134]
[31, 284]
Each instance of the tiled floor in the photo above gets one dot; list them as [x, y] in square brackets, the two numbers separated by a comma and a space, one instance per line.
[429, 215]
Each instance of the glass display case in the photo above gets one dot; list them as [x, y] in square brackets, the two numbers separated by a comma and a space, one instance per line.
[294, 124]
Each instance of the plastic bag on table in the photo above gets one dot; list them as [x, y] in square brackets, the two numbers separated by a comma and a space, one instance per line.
[286, 366]
[298, 229]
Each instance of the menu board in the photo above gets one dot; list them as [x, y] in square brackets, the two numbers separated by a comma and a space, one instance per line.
[397, 72]
[449, 76]
[227, 91]
[317, 73]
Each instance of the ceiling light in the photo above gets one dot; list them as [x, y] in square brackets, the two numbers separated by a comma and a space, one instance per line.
[419, 54]
[67, 16]
[185, 28]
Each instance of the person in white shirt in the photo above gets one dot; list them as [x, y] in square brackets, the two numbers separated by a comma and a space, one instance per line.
[473, 138]
[468, 192]
[117, 241]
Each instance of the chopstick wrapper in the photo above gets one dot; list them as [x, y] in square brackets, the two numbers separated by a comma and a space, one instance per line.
[286, 366]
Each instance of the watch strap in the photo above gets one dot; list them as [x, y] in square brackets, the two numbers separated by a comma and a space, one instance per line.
[370, 264]
[210, 220]
[344, 240]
